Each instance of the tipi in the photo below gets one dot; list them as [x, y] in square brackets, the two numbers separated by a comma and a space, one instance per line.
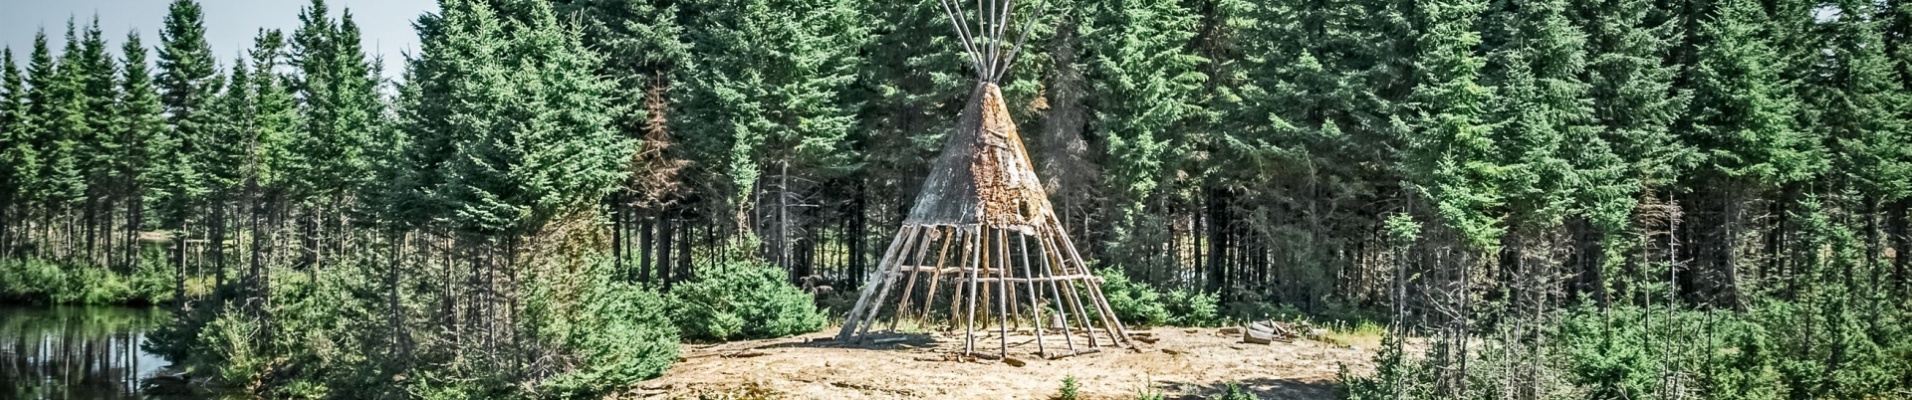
[982, 248]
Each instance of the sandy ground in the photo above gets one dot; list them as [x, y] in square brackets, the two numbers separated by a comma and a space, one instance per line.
[1183, 363]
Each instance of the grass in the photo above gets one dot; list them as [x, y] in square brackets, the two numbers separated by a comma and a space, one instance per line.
[1364, 334]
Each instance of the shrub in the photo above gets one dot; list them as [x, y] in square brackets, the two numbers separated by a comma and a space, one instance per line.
[1235, 392]
[39, 281]
[1069, 390]
[744, 301]
[622, 336]
[233, 355]
[1134, 303]
[1193, 308]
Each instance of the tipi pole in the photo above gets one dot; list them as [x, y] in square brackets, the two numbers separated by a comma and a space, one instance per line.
[969, 330]
[863, 300]
[1024, 38]
[1095, 291]
[936, 276]
[1062, 304]
[909, 286]
[962, 277]
[1035, 307]
[961, 24]
[889, 278]
[1075, 301]
[1002, 303]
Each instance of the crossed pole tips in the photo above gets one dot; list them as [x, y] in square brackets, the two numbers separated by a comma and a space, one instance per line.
[992, 19]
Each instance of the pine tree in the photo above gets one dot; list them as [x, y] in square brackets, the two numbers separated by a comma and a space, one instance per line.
[768, 95]
[67, 128]
[548, 147]
[1146, 89]
[140, 125]
[1451, 147]
[17, 162]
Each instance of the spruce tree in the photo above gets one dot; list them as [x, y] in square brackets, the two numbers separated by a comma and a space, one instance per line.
[340, 106]
[1858, 108]
[768, 95]
[546, 147]
[67, 128]
[140, 125]
[101, 84]
[1451, 150]
[187, 84]
[17, 160]
[1146, 88]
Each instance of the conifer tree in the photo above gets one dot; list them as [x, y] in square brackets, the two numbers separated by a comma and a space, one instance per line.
[1741, 124]
[768, 96]
[16, 151]
[1146, 89]
[1451, 149]
[548, 147]
[1858, 109]
[67, 128]
[140, 125]
[187, 84]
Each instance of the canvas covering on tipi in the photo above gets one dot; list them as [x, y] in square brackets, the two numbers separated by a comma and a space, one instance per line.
[982, 249]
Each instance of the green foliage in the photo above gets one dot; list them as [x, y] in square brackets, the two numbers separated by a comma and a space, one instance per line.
[1193, 308]
[623, 335]
[1069, 389]
[1234, 391]
[1138, 303]
[743, 300]
[232, 348]
[1134, 303]
[37, 281]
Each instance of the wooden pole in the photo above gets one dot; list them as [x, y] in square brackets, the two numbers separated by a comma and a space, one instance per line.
[969, 329]
[869, 287]
[1062, 305]
[1002, 303]
[889, 280]
[1095, 293]
[1035, 307]
[936, 276]
[909, 284]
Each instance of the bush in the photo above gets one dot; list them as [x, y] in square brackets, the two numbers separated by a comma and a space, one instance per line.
[745, 301]
[1192, 308]
[622, 336]
[39, 281]
[233, 354]
[1134, 303]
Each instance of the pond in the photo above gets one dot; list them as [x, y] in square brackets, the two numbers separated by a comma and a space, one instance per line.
[76, 352]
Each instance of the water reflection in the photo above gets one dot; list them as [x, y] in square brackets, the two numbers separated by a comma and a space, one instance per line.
[75, 352]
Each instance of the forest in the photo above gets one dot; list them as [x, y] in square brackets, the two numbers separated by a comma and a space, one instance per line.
[1598, 199]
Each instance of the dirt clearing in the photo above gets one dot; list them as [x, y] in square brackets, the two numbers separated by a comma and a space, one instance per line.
[1182, 363]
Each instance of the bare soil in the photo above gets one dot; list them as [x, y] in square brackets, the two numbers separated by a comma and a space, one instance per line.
[1182, 363]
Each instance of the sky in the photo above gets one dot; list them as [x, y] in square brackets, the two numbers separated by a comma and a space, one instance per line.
[230, 24]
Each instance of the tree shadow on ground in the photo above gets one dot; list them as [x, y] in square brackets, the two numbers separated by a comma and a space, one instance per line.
[882, 342]
[1263, 388]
